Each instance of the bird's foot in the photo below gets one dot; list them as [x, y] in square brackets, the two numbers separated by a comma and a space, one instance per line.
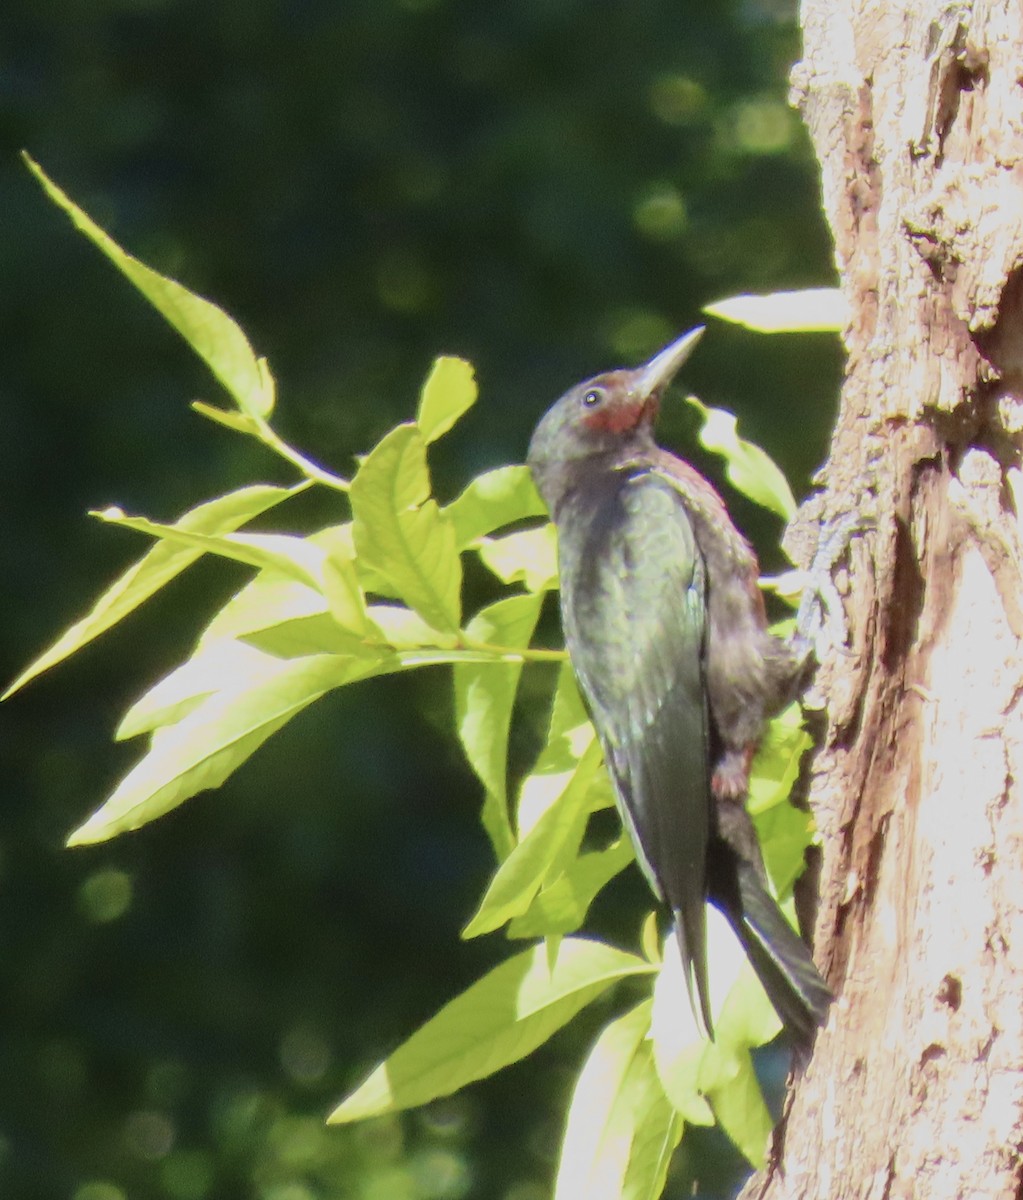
[820, 620]
[730, 780]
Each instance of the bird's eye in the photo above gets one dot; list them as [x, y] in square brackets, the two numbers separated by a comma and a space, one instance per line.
[592, 398]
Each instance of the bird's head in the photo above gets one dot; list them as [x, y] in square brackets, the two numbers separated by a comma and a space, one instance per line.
[604, 415]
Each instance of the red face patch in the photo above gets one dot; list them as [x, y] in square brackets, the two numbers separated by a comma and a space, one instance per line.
[614, 418]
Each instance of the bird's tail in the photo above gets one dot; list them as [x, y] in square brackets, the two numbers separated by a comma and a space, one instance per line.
[780, 957]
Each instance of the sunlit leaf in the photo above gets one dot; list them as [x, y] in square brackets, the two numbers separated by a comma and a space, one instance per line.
[299, 637]
[706, 1079]
[529, 556]
[621, 1128]
[402, 628]
[813, 310]
[484, 699]
[239, 422]
[211, 333]
[401, 534]
[775, 766]
[449, 392]
[678, 1044]
[156, 568]
[492, 500]
[650, 938]
[658, 1132]
[569, 736]
[741, 1112]
[561, 906]
[596, 1147]
[171, 698]
[556, 834]
[785, 832]
[216, 735]
[749, 469]
[500, 1019]
[289, 556]
[267, 599]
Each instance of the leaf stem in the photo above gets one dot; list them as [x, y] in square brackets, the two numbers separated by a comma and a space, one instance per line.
[308, 468]
[516, 654]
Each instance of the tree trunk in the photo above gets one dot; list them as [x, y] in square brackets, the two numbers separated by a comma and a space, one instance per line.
[916, 1085]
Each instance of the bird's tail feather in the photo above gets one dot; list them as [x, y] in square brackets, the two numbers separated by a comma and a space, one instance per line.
[781, 959]
[691, 935]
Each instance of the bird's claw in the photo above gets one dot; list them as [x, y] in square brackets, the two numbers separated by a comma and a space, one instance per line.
[820, 620]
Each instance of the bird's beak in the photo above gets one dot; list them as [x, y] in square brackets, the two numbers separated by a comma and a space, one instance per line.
[664, 366]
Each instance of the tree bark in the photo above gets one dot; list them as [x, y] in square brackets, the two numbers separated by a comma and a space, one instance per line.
[915, 1087]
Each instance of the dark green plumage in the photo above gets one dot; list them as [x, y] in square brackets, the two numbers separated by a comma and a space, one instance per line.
[665, 627]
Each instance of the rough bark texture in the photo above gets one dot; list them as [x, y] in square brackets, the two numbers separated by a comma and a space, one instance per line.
[915, 1087]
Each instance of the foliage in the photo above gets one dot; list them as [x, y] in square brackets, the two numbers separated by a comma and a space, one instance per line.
[380, 592]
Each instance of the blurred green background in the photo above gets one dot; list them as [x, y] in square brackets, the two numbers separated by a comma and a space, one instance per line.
[548, 189]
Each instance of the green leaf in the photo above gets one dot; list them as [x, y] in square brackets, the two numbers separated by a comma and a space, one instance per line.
[325, 564]
[449, 392]
[621, 1129]
[529, 556]
[155, 569]
[289, 556]
[775, 767]
[658, 1131]
[747, 1017]
[211, 333]
[341, 575]
[555, 836]
[813, 310]
[494, 499]
[266, 600]
[215, 735]
[678, 1045]
[171, 698]
[403, 629]
[401, 534]
[784, 831]
[299, 637]
[692, 1069]
[741, 1112]
[237, 422]
[749, 469]
[561, 906]
[787, 586]
[569, 735]
[484, 699]
[500, 1019]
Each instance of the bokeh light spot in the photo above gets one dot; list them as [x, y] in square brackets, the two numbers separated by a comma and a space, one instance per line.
[395, 1183]
[404, 283]
[305, 1054]
[763, 125]
[290, 1190]
[299, 1142]
[660, 213]
[187, 1174]
[149, 1135]
[105, 895]
[447, 1118]
[98, 1189]
[636, 333]
[441, 1175]
[526, 1191]
[676, 99]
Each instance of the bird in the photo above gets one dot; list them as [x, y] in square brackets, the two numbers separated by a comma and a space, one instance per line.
[665, 627]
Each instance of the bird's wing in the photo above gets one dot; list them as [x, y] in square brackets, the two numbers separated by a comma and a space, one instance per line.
[634, 603]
